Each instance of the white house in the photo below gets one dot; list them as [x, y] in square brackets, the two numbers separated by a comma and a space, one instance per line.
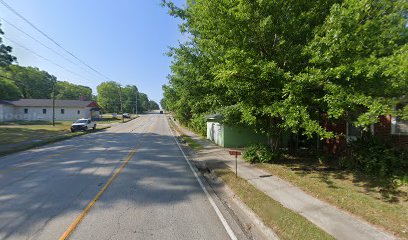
[42, 109]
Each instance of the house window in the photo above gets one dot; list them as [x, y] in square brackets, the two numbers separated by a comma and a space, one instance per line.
[78, 112]
[25, 110]
[398, 125]
[352, 132]
[62, 111]
[44, 111]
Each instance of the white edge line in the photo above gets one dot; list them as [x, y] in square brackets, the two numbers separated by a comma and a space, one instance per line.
[210, 199]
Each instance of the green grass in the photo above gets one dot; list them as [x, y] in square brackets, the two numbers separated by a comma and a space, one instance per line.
[191, 142]
[37, 122]
[382, 205]
[284, 222]
[14, 138]
[14, 134]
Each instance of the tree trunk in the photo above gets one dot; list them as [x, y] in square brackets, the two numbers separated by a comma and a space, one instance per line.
[274, 137]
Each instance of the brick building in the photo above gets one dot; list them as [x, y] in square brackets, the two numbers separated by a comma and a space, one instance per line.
[388, 127]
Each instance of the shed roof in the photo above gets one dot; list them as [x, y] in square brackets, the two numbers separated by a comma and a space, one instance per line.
[213, 117]
[48, 103]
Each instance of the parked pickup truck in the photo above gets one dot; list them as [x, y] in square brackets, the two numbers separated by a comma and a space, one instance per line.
[83, 124]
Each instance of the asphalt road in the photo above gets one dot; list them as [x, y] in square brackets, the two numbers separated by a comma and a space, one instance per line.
[154, 194]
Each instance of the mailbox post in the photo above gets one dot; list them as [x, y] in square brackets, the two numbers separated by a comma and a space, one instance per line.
[235, 153]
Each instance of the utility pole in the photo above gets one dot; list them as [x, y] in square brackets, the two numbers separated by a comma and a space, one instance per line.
[120, 99]
[121, 106]
[53, 104]
[136, 102]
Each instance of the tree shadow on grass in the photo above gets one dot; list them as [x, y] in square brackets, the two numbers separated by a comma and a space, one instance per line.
[386, 188]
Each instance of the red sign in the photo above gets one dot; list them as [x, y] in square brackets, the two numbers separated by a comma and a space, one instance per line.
[235, 153]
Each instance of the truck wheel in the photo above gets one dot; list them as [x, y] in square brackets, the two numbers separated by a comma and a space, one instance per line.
[86, 128]
[94, 127]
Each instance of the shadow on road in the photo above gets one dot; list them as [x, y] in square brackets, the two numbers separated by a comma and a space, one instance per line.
[58, 181]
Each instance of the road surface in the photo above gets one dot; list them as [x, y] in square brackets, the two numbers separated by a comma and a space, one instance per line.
[68, 188]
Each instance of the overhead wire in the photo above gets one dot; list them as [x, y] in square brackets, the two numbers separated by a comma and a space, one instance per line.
[49, 38]
[44, 58]
[42, 44]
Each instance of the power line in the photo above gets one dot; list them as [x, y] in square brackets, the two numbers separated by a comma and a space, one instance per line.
[44, 58]
[49, 38]
[38, 41]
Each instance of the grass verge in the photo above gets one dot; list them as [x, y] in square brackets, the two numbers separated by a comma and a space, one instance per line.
[42, 142]
[285, 223]
[15, 134]
[191, 142]
[385, 206]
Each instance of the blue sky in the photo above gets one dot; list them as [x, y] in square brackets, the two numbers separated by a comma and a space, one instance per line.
[125, 40]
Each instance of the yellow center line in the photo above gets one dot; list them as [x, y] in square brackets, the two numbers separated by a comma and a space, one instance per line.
[78, 220]
[61, 152]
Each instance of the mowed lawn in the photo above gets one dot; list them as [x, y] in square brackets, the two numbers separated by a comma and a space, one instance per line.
[16, 136]
[12, 134]
[385, 205]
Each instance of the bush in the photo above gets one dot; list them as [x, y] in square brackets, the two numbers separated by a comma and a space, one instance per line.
[260, 153]
[198, 124]
[376, 157]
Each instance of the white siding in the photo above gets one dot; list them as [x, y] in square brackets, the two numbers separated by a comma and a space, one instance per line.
[13, 113]
[7, 113]
[36, 113]
[215, 132]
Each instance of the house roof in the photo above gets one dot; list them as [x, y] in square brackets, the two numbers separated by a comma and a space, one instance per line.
[213, 117]
[4, 102]
[48, 103]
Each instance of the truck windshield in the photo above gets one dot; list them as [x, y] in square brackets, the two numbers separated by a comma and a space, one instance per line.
[81, 121]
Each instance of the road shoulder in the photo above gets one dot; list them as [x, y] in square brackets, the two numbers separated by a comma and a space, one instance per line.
[338, 223]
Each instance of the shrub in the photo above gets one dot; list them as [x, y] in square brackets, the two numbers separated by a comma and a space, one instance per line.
[260, 153]
[198, 124]
[376, 157]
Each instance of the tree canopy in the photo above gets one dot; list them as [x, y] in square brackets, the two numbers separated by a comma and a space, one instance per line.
[67, 90]
[32, 82]
[153, 105]
[280, 65]
[5, 53]
[115, 98]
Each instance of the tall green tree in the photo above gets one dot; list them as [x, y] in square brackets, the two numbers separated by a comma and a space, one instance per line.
[153, 105]
[163, 104]
[143, 102]
[9, 90]
[240, 57]
[130, 93]
[109, 96]
[112, 97]
[32, 82]
[5, 53]
[70, 91]
[278, 65]
[358, 60]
